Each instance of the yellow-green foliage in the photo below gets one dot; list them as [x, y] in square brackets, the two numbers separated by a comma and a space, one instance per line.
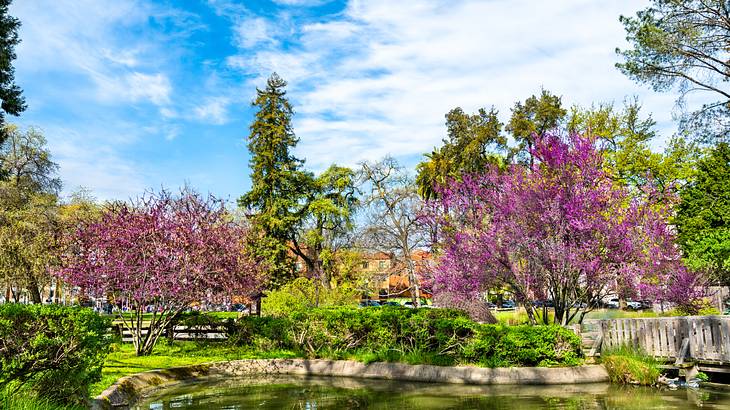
[302, 294]
[627, 366]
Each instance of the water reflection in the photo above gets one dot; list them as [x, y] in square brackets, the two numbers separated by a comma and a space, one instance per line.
[319, 393]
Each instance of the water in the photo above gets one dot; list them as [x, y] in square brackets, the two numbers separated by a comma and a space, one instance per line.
[318, 393]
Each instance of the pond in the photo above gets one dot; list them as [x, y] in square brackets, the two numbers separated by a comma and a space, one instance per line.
[317, 393]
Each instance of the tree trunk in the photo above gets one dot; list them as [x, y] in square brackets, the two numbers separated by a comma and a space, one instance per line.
[35, 294]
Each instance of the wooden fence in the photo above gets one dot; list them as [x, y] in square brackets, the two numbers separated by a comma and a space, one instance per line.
[689, 338]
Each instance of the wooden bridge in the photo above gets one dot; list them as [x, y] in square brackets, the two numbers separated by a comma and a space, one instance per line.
[688, 341]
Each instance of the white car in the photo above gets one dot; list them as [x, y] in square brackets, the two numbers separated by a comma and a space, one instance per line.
[612, 303]
[633, 305]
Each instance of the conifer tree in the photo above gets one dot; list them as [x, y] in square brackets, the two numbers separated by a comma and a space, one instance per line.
[277, 179]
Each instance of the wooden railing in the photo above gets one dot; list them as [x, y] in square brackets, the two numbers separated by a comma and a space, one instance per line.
[695, 338]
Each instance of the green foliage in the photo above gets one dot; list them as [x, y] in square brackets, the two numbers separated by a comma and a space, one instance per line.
[703, 216]
[436, 336]
[55, 351]
[536, 116]
[292, 210]
[11, 95]
[683, 44]
[302, 294]
[628, 366]
[28, 211]
[473, 141]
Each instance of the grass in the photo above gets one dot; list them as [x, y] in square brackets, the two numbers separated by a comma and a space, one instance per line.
[25, 400]
[628, 366]
[519, 316]
[122, 360]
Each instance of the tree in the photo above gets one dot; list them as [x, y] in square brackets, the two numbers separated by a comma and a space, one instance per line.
[624, 138]
[684, 43]
[472, 142]
[11, 95]
[278, 183]
[293, 211]
[703, 216]
[559, 230]
[327, 220]
[160, 255]
[393, 211]
[534, 117]
[28, 212]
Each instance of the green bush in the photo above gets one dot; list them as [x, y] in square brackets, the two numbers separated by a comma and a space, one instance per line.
[303, 294]
[437, 336]
[53, 351]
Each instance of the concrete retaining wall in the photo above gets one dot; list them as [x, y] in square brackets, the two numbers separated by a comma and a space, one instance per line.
[128, 390]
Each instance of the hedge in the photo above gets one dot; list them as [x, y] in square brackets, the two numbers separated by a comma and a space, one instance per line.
[54, 351]
[448, 335]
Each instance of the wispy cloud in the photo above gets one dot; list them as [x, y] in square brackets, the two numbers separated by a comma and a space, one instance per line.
[379, 77]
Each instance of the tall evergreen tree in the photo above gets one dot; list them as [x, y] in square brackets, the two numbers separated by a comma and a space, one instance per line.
[294, 213]
[11, 96]
[277, 179]
[536, 116]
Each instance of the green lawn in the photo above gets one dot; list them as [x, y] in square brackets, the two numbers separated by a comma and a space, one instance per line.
[519, 316]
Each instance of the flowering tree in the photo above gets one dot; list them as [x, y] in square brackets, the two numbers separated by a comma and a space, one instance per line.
[559, 229]
[161, 254]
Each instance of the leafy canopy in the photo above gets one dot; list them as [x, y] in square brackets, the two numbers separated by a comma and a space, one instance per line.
[684, 44]
[703, 216]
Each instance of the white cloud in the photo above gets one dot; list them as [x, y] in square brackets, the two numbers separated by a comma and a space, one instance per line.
[214, 110]
[155, 88]
[250, 32]
[380, 77]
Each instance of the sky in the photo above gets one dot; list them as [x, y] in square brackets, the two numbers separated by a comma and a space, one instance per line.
[135, 95]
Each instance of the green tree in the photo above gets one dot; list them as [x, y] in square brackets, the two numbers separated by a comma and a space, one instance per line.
[625, 137]
[472, 142]
[328, 219]
[703, 216]
[278, 182]
[294, 212]
[11, 95]
[28, 212]
[684, 44]
[537, 115]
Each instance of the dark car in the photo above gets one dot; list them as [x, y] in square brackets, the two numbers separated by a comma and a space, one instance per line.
[370, 303]
[544, 303]
[508, 304]
[391, 303]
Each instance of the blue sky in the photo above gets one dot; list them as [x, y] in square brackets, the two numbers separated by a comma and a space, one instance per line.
[139, 94]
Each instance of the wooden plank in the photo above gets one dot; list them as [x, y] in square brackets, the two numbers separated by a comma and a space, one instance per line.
[683, 352]
[596, 349]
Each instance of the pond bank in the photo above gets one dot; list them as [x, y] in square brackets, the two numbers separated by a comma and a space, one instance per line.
[127, 390]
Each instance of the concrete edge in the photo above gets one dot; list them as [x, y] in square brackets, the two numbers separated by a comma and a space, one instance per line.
[127, 390]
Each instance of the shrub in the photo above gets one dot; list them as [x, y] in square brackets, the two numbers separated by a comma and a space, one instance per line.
[302, 294]
[55, 351]
[438, 336]
[628, 366]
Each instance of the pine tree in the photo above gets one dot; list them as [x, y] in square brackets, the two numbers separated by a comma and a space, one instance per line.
[278, 182]
[12, 101]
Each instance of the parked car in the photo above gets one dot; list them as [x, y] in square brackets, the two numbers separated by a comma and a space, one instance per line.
[633, 305]
[612, 303]
[370, 303]
[509, 305]
[491, 305]
[544, 303]
[238, 307]
[390, 303]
